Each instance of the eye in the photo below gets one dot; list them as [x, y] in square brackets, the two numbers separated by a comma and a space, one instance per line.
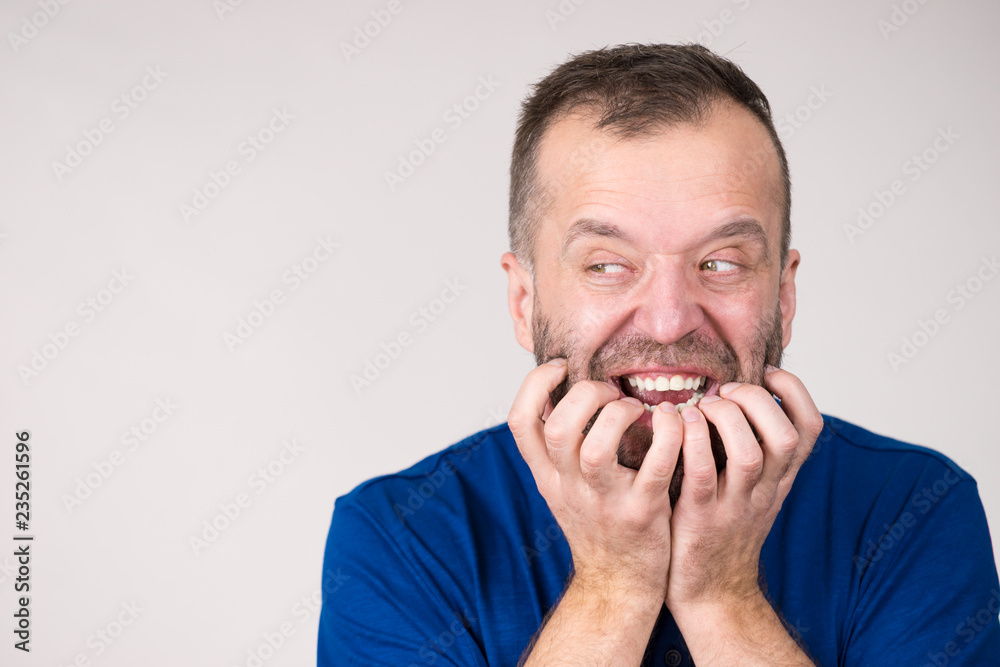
[607, 268]
[719, 265]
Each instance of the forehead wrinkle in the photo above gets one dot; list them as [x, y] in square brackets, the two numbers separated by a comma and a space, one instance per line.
[589, 228]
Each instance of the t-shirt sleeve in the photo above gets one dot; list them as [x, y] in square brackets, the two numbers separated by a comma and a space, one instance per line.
[932, 597]
[379, 607]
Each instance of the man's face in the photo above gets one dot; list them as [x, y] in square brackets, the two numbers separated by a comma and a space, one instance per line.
[657, 262]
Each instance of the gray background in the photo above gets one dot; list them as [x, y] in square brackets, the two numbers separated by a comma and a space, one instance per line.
[886, 96]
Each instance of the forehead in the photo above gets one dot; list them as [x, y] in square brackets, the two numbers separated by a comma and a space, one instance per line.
[672, 184]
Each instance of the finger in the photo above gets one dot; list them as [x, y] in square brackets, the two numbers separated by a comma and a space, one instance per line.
[744, 456]
[779, 441]
[525, 416]
[798, 405]
[700, 485]
[599, 451]
[548, 410]
[563, 429]
[657, 469]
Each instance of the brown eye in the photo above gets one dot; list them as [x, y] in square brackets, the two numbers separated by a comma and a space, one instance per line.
[718, 265]
[607, 268]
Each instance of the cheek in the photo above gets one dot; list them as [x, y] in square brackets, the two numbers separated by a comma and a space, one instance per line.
[739, 320]
[594, 320]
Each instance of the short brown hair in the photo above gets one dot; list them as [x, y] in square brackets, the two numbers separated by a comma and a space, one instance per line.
[633, 90]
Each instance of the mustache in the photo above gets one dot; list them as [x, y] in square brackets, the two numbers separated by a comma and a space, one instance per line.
[635, 350]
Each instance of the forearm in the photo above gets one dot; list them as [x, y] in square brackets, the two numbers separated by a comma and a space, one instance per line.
[747, 633]
[595, 625]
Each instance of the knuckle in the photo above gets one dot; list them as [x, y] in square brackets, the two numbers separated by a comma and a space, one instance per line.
[592, 461]
[814, 425]
[614, 415]
[787, 439]
[637, 520]
[751, 464]
[518, 424]
[702, 494]
[700, 476]
[557, 431]
[659, 470]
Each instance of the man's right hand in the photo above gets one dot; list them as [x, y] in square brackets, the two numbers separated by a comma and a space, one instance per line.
[616, 520]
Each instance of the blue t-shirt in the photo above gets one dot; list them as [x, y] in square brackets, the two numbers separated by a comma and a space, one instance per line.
[881, 555]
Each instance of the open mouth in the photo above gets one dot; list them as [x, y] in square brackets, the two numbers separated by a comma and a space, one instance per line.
[681, 389]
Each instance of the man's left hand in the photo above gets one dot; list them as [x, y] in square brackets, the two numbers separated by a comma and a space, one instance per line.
[721, 520]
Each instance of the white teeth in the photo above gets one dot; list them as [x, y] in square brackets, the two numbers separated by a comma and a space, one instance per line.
[698, 395]
[667, 383]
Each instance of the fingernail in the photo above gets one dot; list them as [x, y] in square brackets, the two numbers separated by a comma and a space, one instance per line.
[690, 414]
[557, 362]
[769, 369]
[667, 406]
[709, 399]
[633, 401]
[728, 387]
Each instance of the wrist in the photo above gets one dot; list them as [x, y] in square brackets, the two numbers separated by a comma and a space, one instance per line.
[619, 599]
[718, 631]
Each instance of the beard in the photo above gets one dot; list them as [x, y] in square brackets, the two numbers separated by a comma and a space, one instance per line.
[637, 351]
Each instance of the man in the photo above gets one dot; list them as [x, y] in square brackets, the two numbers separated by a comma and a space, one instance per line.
[662, 493]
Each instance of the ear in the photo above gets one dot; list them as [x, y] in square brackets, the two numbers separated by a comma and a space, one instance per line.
[786, 296]
[520, 299]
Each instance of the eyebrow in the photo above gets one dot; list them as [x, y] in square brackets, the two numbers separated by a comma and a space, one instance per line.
[589, 228]
[745, 227]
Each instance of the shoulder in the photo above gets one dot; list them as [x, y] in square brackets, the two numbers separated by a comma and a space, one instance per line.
[846, 445]
[865, 482]
[448, 488]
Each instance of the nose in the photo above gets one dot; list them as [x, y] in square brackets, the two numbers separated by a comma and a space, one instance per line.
[667, 303]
